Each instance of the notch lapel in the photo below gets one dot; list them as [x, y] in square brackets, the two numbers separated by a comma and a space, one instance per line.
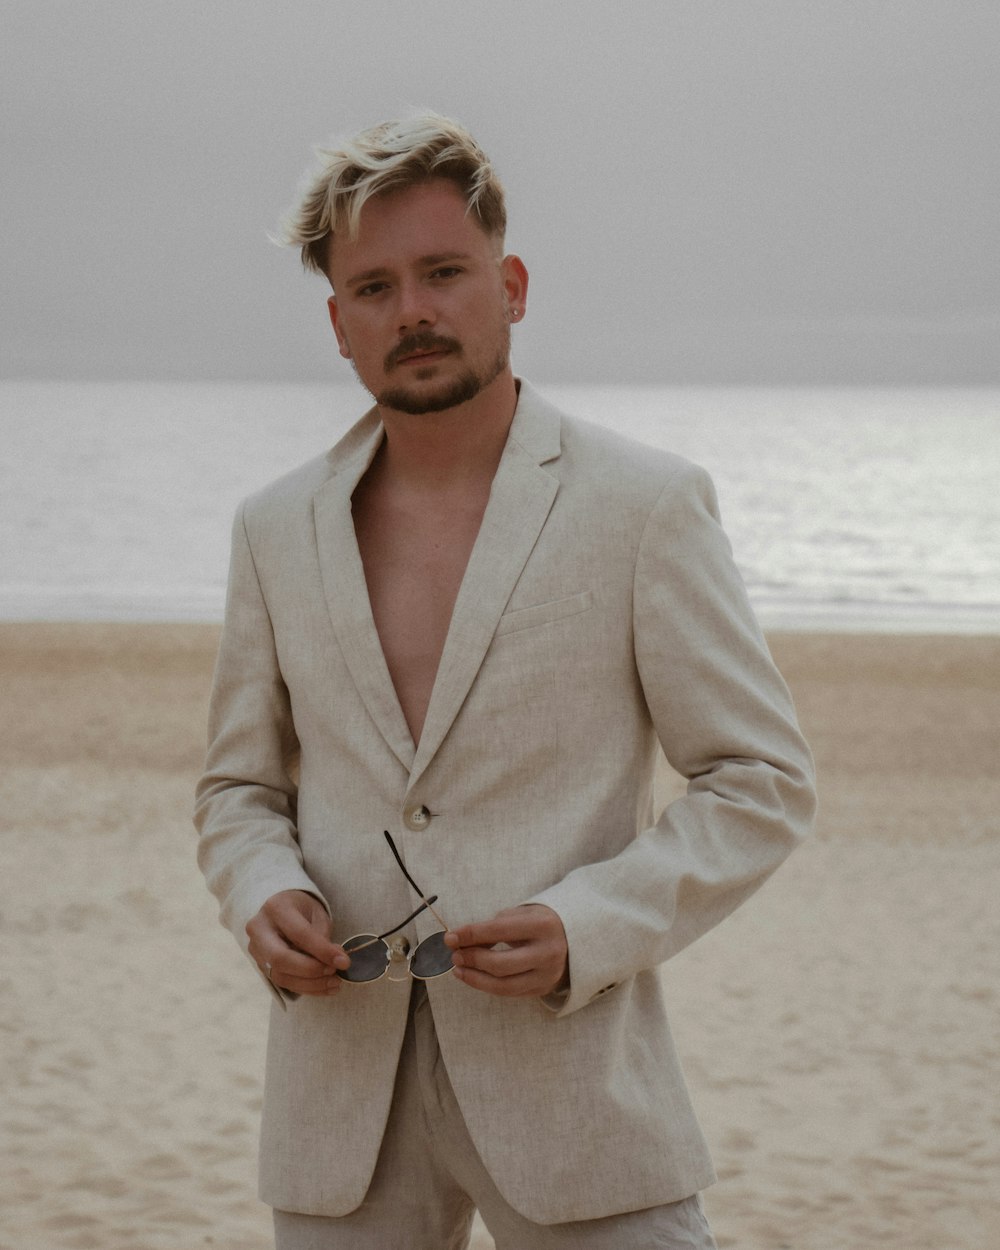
[520, 500]
[346, 589]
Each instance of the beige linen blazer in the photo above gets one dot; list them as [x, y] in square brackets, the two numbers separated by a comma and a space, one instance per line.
[601, 613]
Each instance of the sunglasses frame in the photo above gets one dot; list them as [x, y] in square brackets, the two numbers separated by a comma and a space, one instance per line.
[398, 950]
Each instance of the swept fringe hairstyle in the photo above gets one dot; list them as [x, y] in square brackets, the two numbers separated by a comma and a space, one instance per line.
[387, 157]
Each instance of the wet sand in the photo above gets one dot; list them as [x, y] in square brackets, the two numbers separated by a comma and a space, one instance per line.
[840, 1033]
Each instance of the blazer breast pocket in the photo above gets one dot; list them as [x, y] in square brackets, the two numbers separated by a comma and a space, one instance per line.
[544, 613]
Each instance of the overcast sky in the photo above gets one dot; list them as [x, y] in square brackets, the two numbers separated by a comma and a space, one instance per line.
[703, 190]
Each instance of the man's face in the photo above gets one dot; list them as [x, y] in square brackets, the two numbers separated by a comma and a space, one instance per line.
[422, 300]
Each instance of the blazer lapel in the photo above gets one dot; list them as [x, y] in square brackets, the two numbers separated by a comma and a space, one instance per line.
[346, 589]
[520, 499]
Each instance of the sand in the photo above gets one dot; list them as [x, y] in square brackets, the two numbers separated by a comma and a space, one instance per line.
[840, 1032]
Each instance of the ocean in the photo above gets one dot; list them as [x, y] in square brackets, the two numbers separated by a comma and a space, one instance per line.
[847, 508]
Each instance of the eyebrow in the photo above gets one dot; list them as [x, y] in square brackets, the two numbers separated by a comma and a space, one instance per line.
[427, 262]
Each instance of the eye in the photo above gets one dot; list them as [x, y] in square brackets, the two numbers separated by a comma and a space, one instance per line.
[371, 288]
[446, 271]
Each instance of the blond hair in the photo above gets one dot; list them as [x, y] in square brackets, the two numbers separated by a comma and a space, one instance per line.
[388, 157]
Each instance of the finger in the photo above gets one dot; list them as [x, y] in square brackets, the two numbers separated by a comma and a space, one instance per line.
[310, 937]
[322, 987]
[505, 962]
[286, 962]
[486, 933]
[524, 985]
[517, 925]
[271, 949]
[281, 961]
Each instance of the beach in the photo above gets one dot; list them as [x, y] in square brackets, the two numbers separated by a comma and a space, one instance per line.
[840, 1032]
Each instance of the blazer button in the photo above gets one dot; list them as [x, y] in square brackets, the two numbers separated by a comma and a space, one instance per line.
[417, 818]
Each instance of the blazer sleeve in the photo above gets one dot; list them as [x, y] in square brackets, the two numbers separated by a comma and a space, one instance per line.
[245, 805]
[726, 722]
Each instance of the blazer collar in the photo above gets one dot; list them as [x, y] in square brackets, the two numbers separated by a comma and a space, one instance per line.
[520, 499]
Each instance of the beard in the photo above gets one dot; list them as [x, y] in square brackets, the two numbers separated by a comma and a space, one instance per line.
[458, 390]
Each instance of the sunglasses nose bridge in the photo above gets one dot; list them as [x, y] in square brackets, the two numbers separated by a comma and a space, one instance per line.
[399, 949]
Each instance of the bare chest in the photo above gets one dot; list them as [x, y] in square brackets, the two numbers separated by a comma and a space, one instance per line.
[414, 561]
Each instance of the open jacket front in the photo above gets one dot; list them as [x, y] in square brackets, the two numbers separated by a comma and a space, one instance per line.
[600, 613]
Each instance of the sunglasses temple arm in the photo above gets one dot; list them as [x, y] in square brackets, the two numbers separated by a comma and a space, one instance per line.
[435, 913]
[402, 867]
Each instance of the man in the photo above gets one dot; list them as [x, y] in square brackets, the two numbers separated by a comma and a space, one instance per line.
[469, 625]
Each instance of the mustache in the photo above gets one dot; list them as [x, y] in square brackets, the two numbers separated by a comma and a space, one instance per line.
[425, 342]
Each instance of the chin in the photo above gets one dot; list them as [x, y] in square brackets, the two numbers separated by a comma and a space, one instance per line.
[459, 391]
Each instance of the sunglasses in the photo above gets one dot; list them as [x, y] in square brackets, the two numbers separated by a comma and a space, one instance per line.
[373, 958]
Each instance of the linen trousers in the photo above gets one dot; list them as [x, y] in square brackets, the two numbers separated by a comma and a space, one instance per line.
[429, 1181]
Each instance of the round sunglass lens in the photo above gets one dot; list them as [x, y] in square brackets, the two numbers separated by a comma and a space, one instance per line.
[431, 958]
[367, 964]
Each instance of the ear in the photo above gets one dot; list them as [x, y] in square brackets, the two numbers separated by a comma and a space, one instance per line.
[515, 286]
[338, 329]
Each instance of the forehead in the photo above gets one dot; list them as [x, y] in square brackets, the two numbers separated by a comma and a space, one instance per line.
[397, 228]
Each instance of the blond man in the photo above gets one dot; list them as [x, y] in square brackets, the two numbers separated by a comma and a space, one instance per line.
[453, 647]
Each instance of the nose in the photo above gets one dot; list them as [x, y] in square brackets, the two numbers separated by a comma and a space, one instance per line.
[415, 307]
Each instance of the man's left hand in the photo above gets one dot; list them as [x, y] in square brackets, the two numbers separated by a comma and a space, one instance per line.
[531, 962]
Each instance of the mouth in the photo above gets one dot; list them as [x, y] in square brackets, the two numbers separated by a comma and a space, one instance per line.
[421, 350]
[421, 358]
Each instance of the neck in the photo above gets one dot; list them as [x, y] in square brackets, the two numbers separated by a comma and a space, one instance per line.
[436, 450]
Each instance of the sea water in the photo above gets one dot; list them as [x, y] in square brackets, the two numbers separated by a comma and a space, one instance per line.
[847, 508]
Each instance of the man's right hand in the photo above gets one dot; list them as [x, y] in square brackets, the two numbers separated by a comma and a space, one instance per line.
[290, 940]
